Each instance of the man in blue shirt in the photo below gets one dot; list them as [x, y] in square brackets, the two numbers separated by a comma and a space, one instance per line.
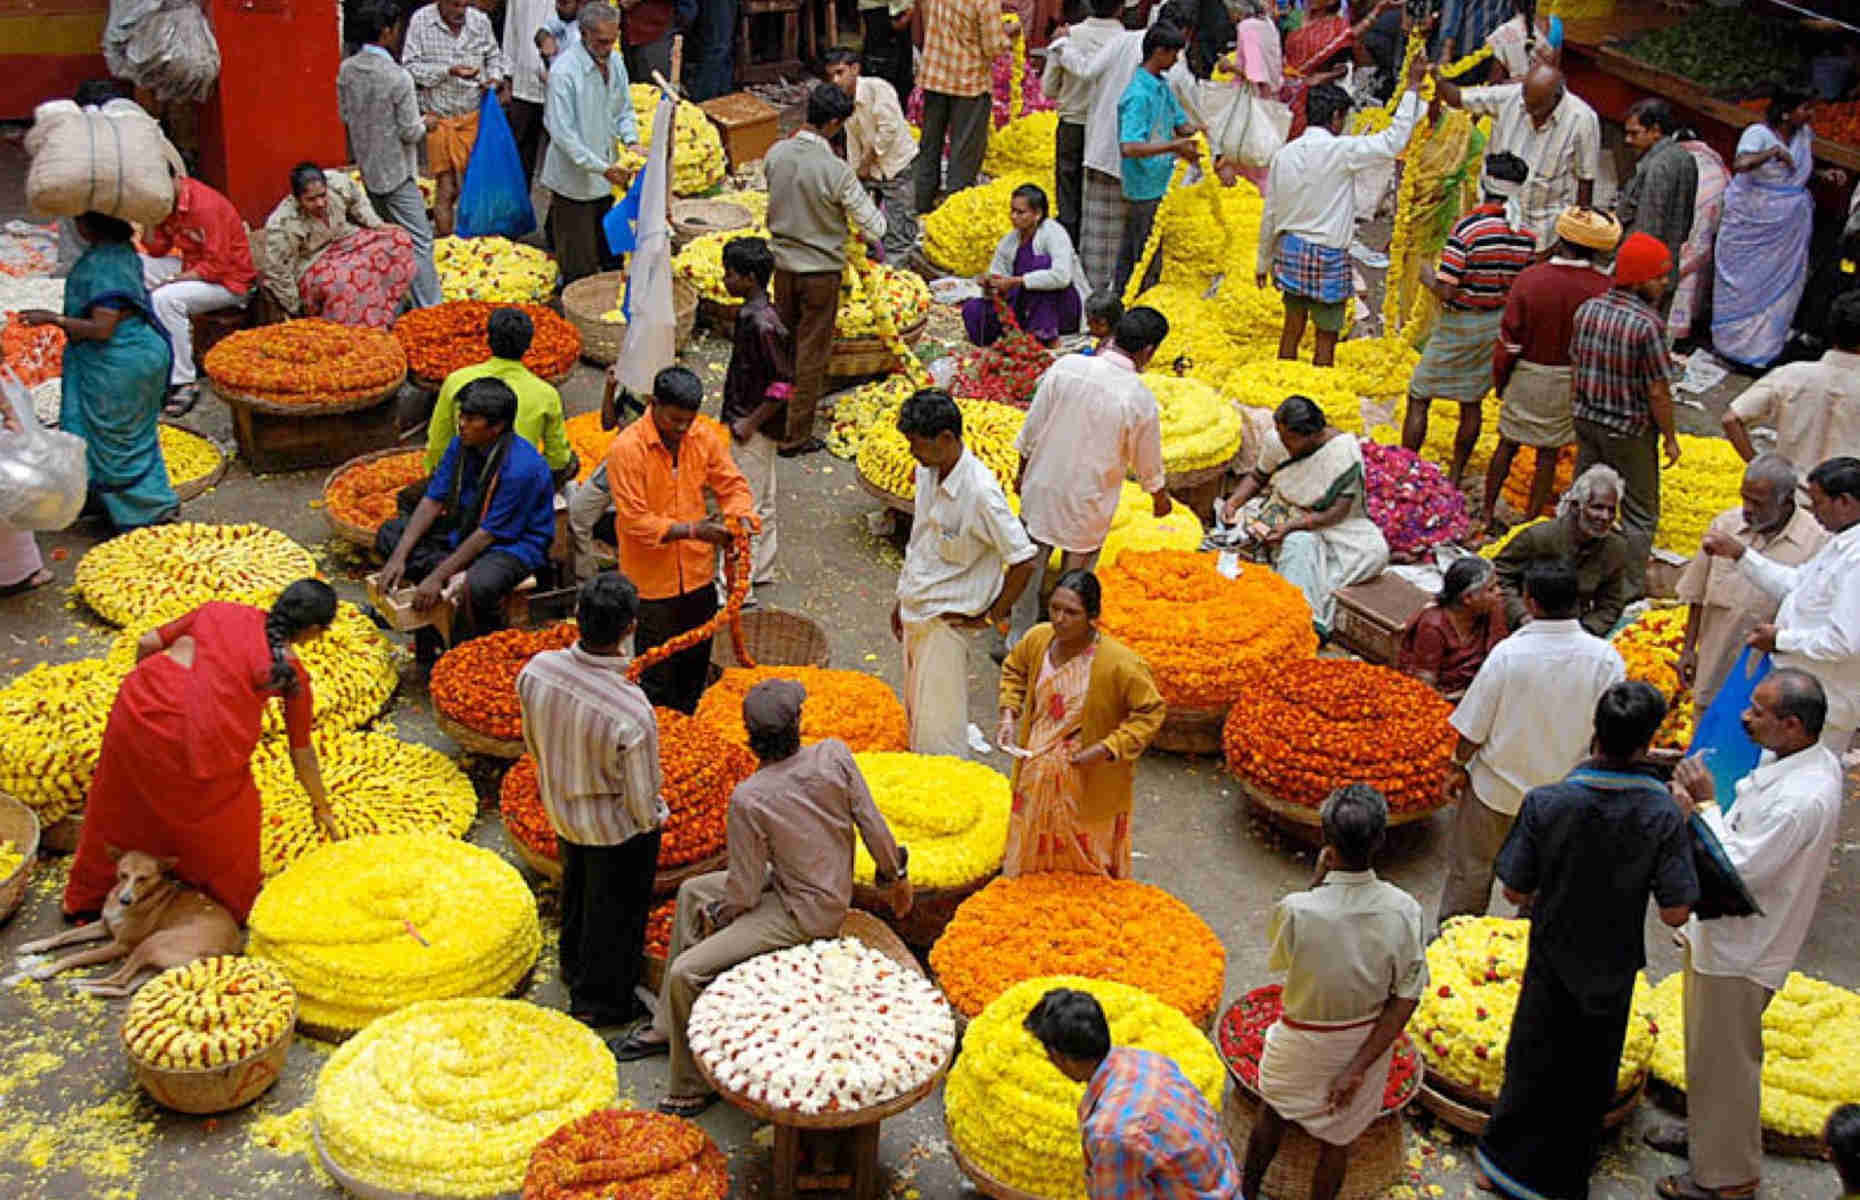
[489, 511]
[1152, 131]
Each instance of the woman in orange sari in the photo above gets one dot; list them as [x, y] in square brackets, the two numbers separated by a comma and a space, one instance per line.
[1077, 709]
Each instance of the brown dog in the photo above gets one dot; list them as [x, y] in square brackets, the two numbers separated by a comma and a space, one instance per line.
[154, 919]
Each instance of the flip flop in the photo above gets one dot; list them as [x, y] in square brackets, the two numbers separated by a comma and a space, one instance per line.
[633, 1047]
[32, 582]
[1681, 1187]
[810, 446]
[687, 1106]
[181, 401]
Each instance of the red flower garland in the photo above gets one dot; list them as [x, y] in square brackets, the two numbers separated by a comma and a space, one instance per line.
[627, 1154]
[1243, 1039]
[736, 570]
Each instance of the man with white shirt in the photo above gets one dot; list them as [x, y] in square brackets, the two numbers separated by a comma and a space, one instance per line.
[1818, 626]
[1091, 423]
[1309, 218]
[1542, 122]
[966, 564]
[1779, 834]
[1072, 97]
[1512, 741]
[1814, 407]
[879, 149]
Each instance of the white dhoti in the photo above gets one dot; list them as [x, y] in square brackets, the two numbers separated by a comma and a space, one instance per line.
[936, 687]
[1297, 1067]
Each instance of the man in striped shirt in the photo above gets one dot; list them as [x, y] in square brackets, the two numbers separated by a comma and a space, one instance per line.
[1484, 254]
[595, 740]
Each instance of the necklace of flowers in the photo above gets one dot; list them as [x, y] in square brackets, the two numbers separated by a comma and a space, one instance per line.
[1017, 69]
[866, 276]
[736, 570]
[1134, 287]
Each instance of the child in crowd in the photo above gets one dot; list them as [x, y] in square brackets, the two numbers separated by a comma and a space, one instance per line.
[756, 386]
[1102, 312]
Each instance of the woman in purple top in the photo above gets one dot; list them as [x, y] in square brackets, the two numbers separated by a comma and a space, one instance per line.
[1034, 270]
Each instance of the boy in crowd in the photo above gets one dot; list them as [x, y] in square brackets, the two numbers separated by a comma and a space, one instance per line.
[756, 388]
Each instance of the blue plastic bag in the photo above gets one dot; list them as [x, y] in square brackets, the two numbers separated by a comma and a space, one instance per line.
[494, 198]
[1728, 751]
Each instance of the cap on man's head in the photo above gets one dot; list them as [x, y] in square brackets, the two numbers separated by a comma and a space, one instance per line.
[1588, 227]
[1641, 257]
[773, 704]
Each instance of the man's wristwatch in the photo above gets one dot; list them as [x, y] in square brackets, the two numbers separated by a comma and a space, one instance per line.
[904, 862]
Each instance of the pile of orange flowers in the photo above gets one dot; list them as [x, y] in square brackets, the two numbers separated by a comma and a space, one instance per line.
[1069, 924]
[698, 770]
[736, 569]
[590, 442]
[475, 683]
[856, 708]
[35, 353]
[441, 339]
[312, 362]
[627, 1154]
[659, 929]
[367, 495]
[1518, 481]
[1310, 727]
[1203, 635]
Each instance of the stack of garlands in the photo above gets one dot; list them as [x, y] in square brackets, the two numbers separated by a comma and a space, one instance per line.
[1153, 247]
[902, 294]
[372, 924]
[1378, 368]
[163, 571]
[311, 363]
[441, 339]
[1205, 228]
[1242, 1037]
[1266, 385]
[614, 1153]
[698, 770]
[376, 784]
[589, 441]
[1708, 480]
[1070, 924]
[988, 431]
[1015, 1117]
[879, 302]
[1811, 1030]
[1024, 146]
[368, 495]
[51, 730]
[212, 1012]
[1463, 1025]
[1650, 647]
[1410, 500]
[1517, 491]
[494, 269]
[865, 408]
[475, 682]
[451, 1097]
[952, 813]
[35, 353]
[1199, 428]
[857, 708]
[960, 235]
[187, 455]
[697, 150]
[1204, 636]
[1134, 526]
[1311, 725]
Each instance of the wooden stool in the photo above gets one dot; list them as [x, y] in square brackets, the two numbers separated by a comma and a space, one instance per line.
[210, 327]
[825, 1160]
[789, 63]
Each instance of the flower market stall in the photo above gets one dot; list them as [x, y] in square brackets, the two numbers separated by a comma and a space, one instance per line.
[51, 730]
[307, 393]
[889, 473]
[474, 687]
[211, 1035]
[1650, 646]
[615, 1152]
[494, 269]
[859, 709]
[362, 495]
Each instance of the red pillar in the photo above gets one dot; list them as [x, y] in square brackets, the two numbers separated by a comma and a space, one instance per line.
[275, 104]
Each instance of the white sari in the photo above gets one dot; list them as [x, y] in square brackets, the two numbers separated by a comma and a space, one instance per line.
[1319, 561]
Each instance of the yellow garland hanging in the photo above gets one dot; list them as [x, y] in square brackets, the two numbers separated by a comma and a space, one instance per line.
[860, 272]
[1017, 67]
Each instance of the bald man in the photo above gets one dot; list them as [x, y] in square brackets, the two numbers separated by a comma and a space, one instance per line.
[1541, 122]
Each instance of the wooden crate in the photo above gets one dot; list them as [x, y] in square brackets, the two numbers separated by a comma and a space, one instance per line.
[747, 126]
[273, 442]
[1370, 616]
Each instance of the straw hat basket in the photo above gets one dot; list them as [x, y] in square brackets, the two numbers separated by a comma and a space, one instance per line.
[215, 1089]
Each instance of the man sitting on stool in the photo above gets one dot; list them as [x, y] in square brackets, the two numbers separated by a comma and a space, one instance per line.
[489, 511]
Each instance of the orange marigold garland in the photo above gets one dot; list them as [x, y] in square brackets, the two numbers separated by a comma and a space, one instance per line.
[1310, 727]
[441, 339]
[859, 709]
[519, 801]
[589, 441]
[311, 362]
[475, 683]
[627, 1154]
[736, 570]
[1517, 491]
[367, 495]
[35, 353]
[659, 929]
[1068, 924]
[1203, 635]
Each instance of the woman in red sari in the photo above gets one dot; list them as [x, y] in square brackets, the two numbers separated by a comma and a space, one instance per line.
[174, 778]
[1320, 51]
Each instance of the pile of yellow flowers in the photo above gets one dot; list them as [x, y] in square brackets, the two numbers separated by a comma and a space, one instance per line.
[1206, 229]
[1493, 549]
[376, 784]
[961, 234]
[171, 569]
[988, 431]
[494, 269]
[697, 151]
[51, 729]
[1476, 967]
[1268, 383]
[448, 1098]
[372, 924]
[1707, 481]
[10, 859]
[1135, 527]
[1013, 1115]
[903, 293]
[1199, 428]
[188, 455]
[860, 410]
[1650, 647]
[1024, 146]
[1811, 1040]
[952, 813]
[212, 1012]
[1378, 368]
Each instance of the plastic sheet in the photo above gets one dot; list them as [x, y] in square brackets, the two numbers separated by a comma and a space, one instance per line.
[43, 474]
[172, 52]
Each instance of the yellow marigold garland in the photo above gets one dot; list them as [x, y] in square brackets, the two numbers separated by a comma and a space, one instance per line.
[952, 813]
[861, 276]
[188, 456]
[1024, 146]
[1199, 428]
[212, 1012]
[1707, 481]
[1135, 527]
[494, 269]
[51, 730]
[960, 235]
[1650, 647]
[174, 568]
[988, 431]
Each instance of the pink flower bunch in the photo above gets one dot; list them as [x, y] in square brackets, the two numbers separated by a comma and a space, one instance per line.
[1034, 96]
[1410, 500]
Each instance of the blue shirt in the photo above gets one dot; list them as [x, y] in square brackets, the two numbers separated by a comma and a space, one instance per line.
[521, 517]
[1148, 112]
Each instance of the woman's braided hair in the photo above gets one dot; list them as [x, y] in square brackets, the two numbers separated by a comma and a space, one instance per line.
[304, 604]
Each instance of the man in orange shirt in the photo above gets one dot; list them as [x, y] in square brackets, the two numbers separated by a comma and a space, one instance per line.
[658, 470]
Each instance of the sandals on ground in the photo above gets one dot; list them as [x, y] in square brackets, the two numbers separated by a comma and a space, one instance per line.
[687, 1106]
[32, 582]
[181, 401]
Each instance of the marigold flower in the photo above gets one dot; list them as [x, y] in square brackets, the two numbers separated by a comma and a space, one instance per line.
[859, 709]
[309, 362]
[369, 495]
[614, 1153]
[475, 682]
[175, 568]
[952, 813]
[441, 339]
[209, 1013]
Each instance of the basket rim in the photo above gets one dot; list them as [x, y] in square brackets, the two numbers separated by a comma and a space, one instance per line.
[476, 741]
[196, 487]
[290, 1031]
[260, 404]
[347, 530]
[1408, 1096]
[28, 853]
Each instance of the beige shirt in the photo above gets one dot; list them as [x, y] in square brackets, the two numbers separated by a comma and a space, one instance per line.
[1346, 946]
[1565, 152]
[1092, 421]
[879, 144]
[963, 539]
[794, 820]
[596, 744]
[812, 193]
[1814, 407]
[1731, 604]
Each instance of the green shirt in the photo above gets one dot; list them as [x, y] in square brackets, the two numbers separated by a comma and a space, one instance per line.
[539, 412]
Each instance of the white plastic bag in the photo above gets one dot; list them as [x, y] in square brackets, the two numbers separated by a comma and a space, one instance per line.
[43, 473]
[651, 334]
[1251, 128]
[173, 52]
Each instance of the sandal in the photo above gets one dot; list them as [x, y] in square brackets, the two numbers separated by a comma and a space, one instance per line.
[181, 401]
[1682, 1187]
[634, 1047]
[32, 582]
[687, 1106]
[810, 446]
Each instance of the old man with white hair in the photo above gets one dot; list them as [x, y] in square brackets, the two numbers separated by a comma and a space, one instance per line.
[1583, 534]
[588, 108]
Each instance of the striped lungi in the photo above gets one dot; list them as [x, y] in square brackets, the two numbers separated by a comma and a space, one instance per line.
[1101, 227]
[1457, 364]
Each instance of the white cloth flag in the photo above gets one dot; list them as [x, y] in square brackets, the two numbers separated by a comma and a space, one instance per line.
[651, 336]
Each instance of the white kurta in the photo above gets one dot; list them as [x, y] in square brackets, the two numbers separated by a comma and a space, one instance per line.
[1318, 562]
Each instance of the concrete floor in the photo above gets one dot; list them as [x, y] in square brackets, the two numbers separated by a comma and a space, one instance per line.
[73, 1124]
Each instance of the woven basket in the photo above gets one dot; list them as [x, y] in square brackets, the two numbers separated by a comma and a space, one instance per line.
[932, 909]
[216, 1089]
[477, 743]
[890, 500]
[855, 357]
[197, 486]
[774, 639]
[1301, 822]
[666, 882]
[694, 218]
[1197, 490]
[1375, 1158]
[1789, 1145]
[1191, 731]
[273, 408]
[684, 309]
[19, 825]
[1468, 1111]
[542, 864]
[346, 531]
[583, 302]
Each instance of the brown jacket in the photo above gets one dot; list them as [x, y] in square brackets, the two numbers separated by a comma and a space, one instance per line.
[1123, 710]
